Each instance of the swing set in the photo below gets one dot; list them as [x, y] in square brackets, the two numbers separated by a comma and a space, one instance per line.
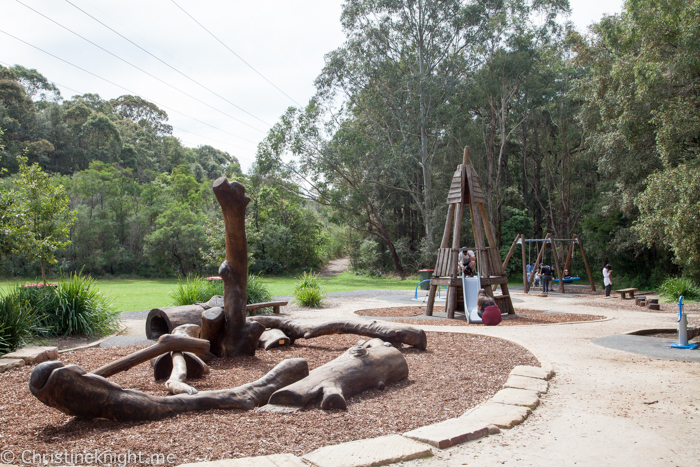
[527, 282]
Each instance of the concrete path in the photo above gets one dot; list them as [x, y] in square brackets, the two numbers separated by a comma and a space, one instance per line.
[604, 406]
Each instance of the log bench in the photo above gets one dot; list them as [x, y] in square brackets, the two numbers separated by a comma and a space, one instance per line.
[623, 292]
[274, 305]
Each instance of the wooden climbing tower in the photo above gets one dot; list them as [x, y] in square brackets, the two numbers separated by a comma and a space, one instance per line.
[466, 191]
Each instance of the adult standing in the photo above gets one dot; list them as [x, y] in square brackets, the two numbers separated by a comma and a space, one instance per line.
[607, 279]
[546, 278]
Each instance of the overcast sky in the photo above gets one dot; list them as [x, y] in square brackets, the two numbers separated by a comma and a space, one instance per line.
[211, 96]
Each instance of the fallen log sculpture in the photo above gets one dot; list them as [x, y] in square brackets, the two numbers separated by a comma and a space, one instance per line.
[166, 343]
[163, 366]
[76, 392]
[163, 320]
[272, 338]
[371, 365]
[388, 332]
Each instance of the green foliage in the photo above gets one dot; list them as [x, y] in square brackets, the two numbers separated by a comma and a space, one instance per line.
[674, 287]
[257, 291]
[19, 322]
[670, 214]
[74, 306]
[196, 289]
[193, 289]
[308, 291]
[366, 259]
[47, 213]
[79, 308]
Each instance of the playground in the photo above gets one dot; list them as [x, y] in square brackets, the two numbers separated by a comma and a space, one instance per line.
[629, 405]
[375, 377]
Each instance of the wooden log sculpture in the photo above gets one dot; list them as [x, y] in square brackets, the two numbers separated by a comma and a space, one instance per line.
[163, 366]
[240, 336]
[166, 343]
[163, 320]
[371, 365]
[393, 333]
[272, 338]
[76, 392]
[182, 367]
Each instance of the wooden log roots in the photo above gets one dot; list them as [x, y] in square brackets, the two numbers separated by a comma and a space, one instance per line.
[371, 365]
[166, 344]
[76, 392]
[388, 332]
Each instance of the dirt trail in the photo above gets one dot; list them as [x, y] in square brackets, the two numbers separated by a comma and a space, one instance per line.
[334, 267]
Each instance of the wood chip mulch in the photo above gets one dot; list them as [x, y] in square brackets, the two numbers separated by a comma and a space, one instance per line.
[457, 372]
[522, 316]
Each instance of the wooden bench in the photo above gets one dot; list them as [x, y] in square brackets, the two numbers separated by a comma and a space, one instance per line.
[623, 292]
[251, 307]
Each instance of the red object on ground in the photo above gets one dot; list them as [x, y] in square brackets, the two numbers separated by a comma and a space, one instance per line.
[491, 316]
[39, 285]
[214, 278]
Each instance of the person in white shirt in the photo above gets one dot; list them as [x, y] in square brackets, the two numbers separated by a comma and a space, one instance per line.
[467, 262]
[607, 279]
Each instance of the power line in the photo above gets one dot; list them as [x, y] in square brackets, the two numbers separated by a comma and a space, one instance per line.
[138, 68]
[166, 64]
[121, 87]
[234, 53]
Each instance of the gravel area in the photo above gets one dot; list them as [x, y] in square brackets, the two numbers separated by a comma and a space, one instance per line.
[414, 315]
[457, 372]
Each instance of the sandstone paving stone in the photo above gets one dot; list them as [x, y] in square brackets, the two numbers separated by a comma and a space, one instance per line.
[450, 432]
[369, 452]
[522, 397]
[523, 382]
[274, 460]
[532, 372]
[501, 415]
[32, 355]
[8, 364]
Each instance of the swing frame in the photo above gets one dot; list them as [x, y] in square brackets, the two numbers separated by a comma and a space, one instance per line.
[520, 238]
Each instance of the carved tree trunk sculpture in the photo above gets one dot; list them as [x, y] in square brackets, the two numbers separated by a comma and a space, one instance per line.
[76, 392]
[371, 365]
[394, 333]
[240, 336]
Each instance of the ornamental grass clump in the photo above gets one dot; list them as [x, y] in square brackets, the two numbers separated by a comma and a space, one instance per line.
[19, 322]
[308, 291]
[196, 289]
[76, 307]
[674, 287]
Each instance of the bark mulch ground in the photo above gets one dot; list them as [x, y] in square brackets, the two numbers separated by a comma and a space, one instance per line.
[457, 372]
[404, 315]
[666, 307]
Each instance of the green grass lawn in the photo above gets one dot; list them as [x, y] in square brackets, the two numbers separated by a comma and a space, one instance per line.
[144, 294]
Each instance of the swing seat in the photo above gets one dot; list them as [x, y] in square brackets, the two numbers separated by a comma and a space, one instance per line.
[567, 280]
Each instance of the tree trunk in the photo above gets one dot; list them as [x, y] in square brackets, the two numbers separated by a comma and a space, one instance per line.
[371, 365]
[393, 333]
[273, 338]
[76, 392]
[240, 337]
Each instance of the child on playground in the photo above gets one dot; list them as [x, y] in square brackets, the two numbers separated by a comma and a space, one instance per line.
[483, 301]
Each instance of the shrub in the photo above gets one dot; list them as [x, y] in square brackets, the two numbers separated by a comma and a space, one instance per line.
[674, 287]
[19, 321]
[75, 306]
[308, 291]
[196, 289]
